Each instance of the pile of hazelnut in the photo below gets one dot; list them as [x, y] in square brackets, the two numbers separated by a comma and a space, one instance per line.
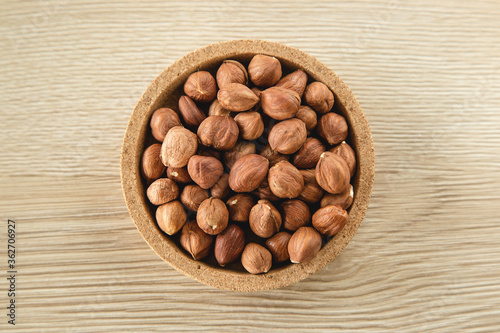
[266, 174]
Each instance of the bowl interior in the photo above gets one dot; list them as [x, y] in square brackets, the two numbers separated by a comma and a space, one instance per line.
[165, 92]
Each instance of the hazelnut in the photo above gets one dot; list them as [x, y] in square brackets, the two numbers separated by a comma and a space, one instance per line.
[295, 81]
[219, 132]
[179, 175]
[264, 71]
[231, 71]
[279, 103]
[332, 127]
[319, 97]
[264, 219]
[239, 207]
[162, 120]
[178, 147]
[332, 173]
[308, 116]
[304, 244]
[201, 86]
[256, 91]
[288, 136]
[295, 214]
[256, 259]
[151, 166]
[273, 156]
[221, 189]
[285, 180]
[264, 192]
[250, 125]
[190, 112]
[171, 217]
[312, 192]
[343, 199]
[210, 152]
[278, 246]
[216, 109]
[347, 153]
[308, 155]
[329, 220]
[192, 196]
[237, 97]
[212, 216]
[229, 244]
[204, 170]
[240, 149]
[248, 172]
[162, 191]
[195, 241]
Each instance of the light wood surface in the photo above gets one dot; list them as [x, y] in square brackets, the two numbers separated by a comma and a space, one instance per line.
[427, 256]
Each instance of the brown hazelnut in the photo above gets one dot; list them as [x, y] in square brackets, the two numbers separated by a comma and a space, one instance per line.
[216, 109]
[248, 172]
[264, 192]
[312, 192]
[179, 175]
[347, 153]
[204, 170]
[229, 244]
[332, 127]
[285, 180]
[308, 116]
[219, 132]
[295, 81]
[256, 91]
[239, 207]
[171, 217]
[151, 166]
[264, 71]
[279, 103]
[332, 173]
[329, 220]
[264, 219]
[221, 189]
[212, 216]
[304, 244]
[319, 97]
[250, 124]
[295, 214]
[288, 136]
[256, 259]
[195, 241]
[210, 152]
[162, 191]
[308, 155]
[231, 71]
[190, 112]
[278, 246]
[273, 156]
[162, 120]
[240, 149]
[343, 199]
[237, 97]
[192, 196]
[201, 86]
[178, 147]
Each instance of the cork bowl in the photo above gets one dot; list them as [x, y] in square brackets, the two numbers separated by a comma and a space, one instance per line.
[165, 91]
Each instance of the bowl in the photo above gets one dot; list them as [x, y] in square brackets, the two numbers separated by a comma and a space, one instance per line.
[165, 91]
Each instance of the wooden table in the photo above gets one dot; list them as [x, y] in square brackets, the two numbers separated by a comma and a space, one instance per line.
[427, 256]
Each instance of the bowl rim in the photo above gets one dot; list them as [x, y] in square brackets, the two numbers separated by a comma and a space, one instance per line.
[133, 188]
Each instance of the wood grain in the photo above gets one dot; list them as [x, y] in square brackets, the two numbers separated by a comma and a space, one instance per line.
[427, 256]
